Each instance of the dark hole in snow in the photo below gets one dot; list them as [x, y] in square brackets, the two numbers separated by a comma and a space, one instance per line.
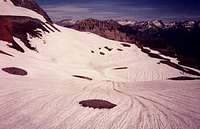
[120, 68]
[126, 45]
[109, 49]
[92, 51]
[102, 53]
[120, 49]
[15, 71]
[82, 77]
[184, 78]
[97, 103]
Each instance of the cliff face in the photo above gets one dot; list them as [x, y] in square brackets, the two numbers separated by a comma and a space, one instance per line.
[32, 5]
[109, 29]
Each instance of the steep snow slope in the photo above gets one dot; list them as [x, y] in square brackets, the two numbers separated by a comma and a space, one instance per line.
[70, 52]
[7, 8]
[32, 5]
[48, 97]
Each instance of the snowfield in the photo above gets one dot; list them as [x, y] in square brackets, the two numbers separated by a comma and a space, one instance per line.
[48, 98]
[72, 66]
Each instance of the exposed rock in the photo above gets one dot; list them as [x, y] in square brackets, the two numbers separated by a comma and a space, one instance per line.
[184, 78]
[82, 77]
[108, 28]
[153, 55]
[109, 49]
[119, 68]
[19, 27]
[145, 50]
[102, 53]
[125, 45]
[176, 66]
[5, 53]
[120, 49]
[32, 5]
[15, 71]
[97, 103]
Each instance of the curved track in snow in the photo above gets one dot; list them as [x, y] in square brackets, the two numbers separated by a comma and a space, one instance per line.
[48, 97]
[139, 105]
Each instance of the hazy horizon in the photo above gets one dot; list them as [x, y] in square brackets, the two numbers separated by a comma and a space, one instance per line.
[126, 9]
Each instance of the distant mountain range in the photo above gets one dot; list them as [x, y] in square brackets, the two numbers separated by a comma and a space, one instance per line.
[176, 39]
[53, 77]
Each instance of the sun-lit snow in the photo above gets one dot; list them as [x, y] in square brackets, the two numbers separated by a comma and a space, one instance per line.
[157, 23]
[6, 2]
[126, 22]
[48, 97]
[7, 8]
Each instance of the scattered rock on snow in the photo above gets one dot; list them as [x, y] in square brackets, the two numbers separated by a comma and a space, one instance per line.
[5, 53]
[120, 49]
[179, 67]
[97, 103]
[109, 49]
[125, 45]
[15, 71]
[120, 68]
[82, 77]
[102, 53]
[184, 78]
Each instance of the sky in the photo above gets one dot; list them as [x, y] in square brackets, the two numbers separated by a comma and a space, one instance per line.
[121, 9]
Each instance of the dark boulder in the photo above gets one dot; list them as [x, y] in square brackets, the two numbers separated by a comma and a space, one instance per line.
[97, 103]
[15, 71]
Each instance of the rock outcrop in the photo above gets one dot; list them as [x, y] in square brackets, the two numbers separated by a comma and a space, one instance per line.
[32, 5]
[109, 29]
[19, 27]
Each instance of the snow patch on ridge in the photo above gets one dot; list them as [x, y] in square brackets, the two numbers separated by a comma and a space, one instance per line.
[8, 9]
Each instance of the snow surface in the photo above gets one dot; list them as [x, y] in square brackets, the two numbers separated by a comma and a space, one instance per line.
[7, 8]
[127, 22]
[157, 23]
[48, 98]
